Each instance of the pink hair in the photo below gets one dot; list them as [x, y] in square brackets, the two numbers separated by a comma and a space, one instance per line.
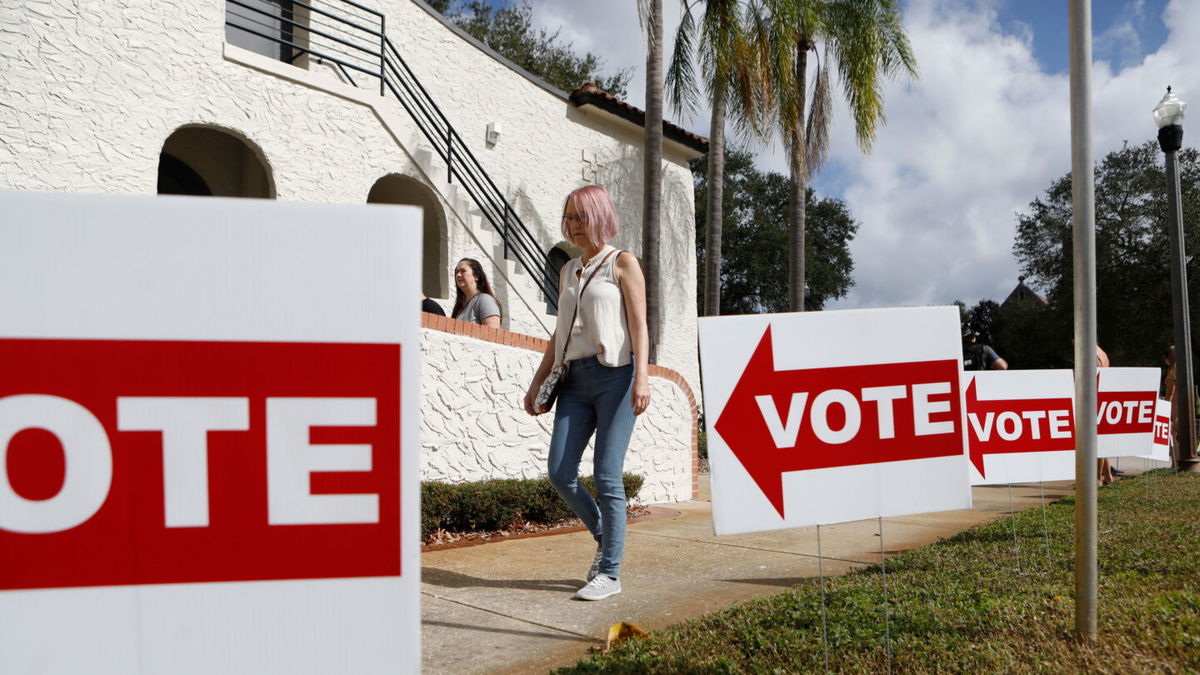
[600, 218]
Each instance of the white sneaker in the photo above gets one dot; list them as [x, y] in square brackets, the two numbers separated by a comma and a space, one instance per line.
[599, 588]
[595, 568]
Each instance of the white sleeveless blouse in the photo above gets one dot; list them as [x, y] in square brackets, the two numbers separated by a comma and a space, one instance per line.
[600, 328]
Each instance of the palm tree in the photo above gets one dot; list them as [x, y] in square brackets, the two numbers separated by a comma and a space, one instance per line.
[728, 60]
[651, 16]
[865, 41]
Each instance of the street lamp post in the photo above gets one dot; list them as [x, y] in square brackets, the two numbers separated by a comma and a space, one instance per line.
[1168, 114]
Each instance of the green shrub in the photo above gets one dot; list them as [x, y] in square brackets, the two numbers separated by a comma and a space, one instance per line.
[499, 504]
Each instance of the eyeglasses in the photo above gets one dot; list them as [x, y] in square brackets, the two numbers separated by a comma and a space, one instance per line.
[575, 218]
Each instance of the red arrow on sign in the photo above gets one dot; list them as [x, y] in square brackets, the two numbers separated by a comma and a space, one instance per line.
[1018, 425]
[816, 418]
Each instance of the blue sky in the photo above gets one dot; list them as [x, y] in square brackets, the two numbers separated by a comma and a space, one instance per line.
[981, 133]
[1046, 20]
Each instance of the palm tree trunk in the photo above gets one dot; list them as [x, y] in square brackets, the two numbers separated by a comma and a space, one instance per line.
[652, 175]
[798, 186]
[713, 222]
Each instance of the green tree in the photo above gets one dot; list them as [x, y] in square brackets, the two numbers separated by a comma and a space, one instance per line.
[1133, 289]
[754, 265]
[510, 31]
[726, 50]
[864, 41]
[984, 317]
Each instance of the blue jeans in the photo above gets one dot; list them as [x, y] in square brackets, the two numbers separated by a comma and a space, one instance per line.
[595, 397]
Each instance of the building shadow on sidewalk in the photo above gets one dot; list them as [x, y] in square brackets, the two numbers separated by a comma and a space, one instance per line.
[779, 582]
[491, 630]
[448, 579]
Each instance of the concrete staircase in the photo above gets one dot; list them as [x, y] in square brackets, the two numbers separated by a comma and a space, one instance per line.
[472, 235]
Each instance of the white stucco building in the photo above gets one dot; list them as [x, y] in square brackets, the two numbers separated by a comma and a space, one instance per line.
[367, 101]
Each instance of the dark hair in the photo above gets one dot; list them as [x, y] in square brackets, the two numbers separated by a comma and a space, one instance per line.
[482, 285]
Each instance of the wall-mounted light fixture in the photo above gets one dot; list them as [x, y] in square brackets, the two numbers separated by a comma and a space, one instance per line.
[493, 133]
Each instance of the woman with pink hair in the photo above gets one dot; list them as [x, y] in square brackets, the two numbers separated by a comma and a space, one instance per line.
[601, 334]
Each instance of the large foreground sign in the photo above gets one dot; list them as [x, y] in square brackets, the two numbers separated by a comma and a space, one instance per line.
[207, 436]
[828, 417]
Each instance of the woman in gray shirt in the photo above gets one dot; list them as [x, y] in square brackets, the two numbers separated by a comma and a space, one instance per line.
[474, 300]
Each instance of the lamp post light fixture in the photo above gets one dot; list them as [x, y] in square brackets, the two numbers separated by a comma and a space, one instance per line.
[1168, 115]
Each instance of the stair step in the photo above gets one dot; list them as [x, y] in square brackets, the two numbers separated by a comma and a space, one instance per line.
[423, 155]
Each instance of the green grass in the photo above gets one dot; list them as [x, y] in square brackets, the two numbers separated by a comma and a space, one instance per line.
[960, 606]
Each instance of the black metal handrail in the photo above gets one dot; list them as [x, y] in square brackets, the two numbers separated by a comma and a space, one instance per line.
[351, 41]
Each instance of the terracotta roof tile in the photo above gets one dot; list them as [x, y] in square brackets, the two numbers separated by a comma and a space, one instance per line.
[590, 94]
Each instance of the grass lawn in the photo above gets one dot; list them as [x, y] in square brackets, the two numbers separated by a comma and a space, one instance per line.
[960, 605]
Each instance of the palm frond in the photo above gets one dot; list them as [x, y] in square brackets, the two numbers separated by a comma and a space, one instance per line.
[751, 87]
[868, 45]
[645, 15]
[681, 76]
[816, 129]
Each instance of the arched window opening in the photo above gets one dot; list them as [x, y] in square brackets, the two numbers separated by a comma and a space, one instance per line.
[399, 189]
[209, 161]
[175, 177]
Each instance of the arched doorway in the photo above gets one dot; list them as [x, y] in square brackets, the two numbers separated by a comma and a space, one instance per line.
[175, 177]
[555, 259]
[199, 160]
[399, 189]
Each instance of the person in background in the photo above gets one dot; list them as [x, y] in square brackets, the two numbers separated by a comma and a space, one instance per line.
[1104, 472]
[978, 356]
[431, 306]
[1168, 394]
[602, 330]
[473, 297]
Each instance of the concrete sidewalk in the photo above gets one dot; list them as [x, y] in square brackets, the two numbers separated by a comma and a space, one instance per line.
[508, 607]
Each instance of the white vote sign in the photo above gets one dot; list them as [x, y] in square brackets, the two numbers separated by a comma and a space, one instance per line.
[1126, 407]
[1161, 451]
[826, 417]
[208, 436]
[1020, 425]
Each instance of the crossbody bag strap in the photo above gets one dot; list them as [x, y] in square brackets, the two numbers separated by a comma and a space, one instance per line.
[579, 298]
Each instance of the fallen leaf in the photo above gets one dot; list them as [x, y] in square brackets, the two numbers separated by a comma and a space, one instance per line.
[620, 632]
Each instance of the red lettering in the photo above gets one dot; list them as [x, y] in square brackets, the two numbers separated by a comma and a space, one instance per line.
[1125, 412]
[172, 462]
[1162, 430]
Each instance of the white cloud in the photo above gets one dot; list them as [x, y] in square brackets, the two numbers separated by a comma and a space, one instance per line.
[609, 30]
[975, 139]
[1119, 44]
[982, 132]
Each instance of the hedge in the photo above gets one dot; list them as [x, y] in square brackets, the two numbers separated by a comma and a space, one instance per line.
[498, 504]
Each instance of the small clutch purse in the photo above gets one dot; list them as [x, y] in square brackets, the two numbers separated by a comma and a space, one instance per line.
[548, 393]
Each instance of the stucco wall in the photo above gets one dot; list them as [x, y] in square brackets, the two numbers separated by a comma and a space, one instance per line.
[92, 90]
[540, 159]
[473, 426]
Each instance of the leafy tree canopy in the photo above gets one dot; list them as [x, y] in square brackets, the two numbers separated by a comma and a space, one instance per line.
[754, 268]
[510, 31]
[982, 318]
[1133, 289]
